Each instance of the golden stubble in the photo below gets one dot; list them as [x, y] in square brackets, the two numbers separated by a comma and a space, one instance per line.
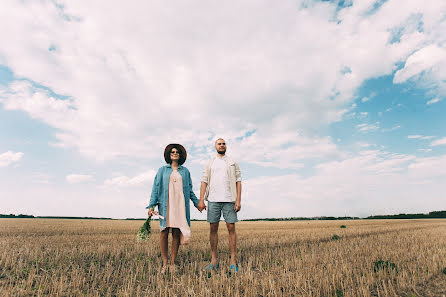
[55, 257]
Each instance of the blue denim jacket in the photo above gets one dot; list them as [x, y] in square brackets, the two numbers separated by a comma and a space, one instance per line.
[160, 191]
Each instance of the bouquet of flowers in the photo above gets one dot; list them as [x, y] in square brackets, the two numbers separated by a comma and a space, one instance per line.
[144, 231]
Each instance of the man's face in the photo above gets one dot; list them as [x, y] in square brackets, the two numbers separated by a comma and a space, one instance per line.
[220, 146]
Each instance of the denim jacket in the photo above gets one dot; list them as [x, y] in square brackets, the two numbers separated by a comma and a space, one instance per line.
[160, 192]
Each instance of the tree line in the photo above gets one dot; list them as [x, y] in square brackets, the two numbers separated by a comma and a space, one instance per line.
[431, 215]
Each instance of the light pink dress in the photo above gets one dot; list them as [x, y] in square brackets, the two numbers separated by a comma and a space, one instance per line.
[176, 209]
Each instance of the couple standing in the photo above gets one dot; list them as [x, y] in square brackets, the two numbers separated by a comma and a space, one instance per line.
[220, 185]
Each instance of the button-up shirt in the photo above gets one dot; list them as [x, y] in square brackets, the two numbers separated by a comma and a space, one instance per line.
[219, 187]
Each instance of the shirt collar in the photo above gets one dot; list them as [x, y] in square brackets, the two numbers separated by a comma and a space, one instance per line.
[222, 158]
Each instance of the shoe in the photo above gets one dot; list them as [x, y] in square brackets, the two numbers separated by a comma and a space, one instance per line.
[233, 268]
[211, 267]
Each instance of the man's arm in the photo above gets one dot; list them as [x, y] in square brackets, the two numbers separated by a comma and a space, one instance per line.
[238, 200]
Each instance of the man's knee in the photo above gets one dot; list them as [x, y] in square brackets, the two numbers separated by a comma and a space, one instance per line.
[214, 227]
[231, 227]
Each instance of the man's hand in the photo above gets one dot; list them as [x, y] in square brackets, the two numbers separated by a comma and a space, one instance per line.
[237, 206]
[201, 206]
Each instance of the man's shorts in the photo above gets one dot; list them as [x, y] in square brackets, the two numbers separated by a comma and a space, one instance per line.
[215, 209]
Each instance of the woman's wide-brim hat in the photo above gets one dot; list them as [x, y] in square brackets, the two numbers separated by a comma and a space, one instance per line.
[169, 147]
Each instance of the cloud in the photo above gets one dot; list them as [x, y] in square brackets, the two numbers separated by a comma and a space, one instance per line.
[438, 142]
[367, 127]
[141, 179]
[425, 150]
[432, 101]
[396, 127]
[371, 182]
[427, 67]
[269, 148]
[365, 99]
[419, 137]
[9, 158]
[130, 83]
[79, 178]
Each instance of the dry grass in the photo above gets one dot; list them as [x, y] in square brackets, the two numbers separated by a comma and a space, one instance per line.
[41, 257]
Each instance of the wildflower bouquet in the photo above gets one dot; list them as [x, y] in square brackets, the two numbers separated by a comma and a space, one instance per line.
[144, 231]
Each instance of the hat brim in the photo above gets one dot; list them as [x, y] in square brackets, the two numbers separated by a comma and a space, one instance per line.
[169, 148]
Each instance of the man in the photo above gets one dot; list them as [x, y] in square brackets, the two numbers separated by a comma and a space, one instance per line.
[221, 186]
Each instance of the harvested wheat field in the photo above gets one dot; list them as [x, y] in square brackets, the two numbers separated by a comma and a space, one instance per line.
[49, 257]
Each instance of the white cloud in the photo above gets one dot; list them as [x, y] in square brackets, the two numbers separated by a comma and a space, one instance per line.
[396, 127]
[155, 74]
[79, 178]
[271, 148]
[423, 137]
[367, 127]
[437, 142]
[371, 182]
[143, 179]
[425, 150]
[432, 101]
[9, 158]
[427, 67]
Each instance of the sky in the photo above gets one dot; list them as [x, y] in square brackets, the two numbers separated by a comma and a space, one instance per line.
[332, 108]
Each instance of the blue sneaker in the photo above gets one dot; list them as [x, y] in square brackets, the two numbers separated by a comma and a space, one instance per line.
[234, 268]
[211, 267]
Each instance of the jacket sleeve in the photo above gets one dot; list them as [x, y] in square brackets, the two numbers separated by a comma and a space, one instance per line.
[192, 194]
[154, 197]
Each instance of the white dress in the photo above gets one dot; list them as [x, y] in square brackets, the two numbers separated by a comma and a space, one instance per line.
[176, 208]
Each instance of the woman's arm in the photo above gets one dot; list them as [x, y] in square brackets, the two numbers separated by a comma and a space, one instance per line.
[193, 197]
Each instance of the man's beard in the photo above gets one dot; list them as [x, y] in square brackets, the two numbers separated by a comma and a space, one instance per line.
[221, 152]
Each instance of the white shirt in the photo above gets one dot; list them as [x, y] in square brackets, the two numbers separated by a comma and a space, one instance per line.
[219, 187]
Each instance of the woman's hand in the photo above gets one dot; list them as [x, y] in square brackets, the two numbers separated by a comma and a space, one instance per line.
[152, 212]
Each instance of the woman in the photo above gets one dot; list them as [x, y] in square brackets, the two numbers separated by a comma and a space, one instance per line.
[171, 191]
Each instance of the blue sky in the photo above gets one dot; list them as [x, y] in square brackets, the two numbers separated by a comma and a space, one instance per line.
[331, 107]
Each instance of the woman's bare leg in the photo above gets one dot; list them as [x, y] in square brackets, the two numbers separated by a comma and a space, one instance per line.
[175, 244]
[164, 245]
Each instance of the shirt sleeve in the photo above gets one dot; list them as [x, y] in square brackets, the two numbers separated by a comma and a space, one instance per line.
[238, 175]
[205, 176]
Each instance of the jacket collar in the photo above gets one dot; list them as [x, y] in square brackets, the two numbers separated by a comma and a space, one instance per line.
[170, 166]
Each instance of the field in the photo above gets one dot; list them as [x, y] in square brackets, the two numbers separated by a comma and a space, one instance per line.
[49, 257]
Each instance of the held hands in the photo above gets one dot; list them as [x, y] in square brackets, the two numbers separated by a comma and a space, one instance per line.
[201, 206]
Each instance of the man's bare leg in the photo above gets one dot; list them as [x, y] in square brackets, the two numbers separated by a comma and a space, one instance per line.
[213, 238]
[232, 241]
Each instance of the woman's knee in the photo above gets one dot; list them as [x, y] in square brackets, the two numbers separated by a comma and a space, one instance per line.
[164, 234]
[176, 232]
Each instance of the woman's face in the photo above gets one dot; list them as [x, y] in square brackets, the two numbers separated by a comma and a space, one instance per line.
[175, 154]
